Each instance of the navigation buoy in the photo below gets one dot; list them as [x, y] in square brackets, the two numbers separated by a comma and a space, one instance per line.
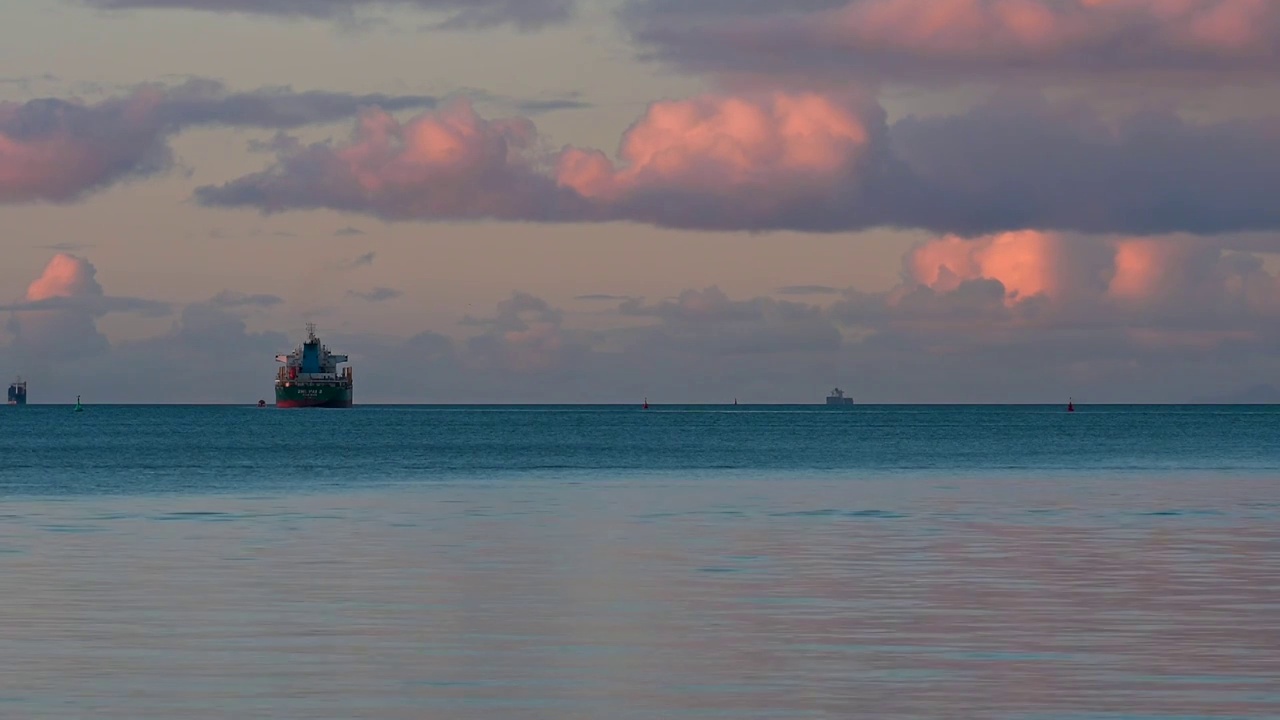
[262, 403]
[1071, 406]
[646, 404]
[79, 408]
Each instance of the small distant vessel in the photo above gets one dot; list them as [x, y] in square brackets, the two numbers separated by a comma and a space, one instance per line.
[262, 403]
[310, 376]
[1071, 405]
[18, 392]
[79, 407]
[646, 404]
[837, 398]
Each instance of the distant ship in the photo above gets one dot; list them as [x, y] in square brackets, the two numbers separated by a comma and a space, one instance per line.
[837, 398]
[310, 377]
[18, 392]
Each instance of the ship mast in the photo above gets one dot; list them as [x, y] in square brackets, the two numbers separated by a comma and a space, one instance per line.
[311, 332]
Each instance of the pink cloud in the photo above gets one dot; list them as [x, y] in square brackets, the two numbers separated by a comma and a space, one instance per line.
[461, 14]
[1045, 31]
[1144, 266]
[750, 147]
[57, 315]
[448, 164]
[68, 289]
[58, 150]
[1028, 263]
[931, 40]
[805, 161]
[763, 159]
[66, 275]
[1163, 280]
[55, 150]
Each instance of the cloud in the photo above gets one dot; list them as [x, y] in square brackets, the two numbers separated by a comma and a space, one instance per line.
[1161, 286]
[1020, 161]
[364, 260]
[208, 340]
[61, 150]
[232, 299]
[66, 246]
[1023, 316]
[601, 297]
[348, 231]
[533, 107]
[766, 161]
[450, 164]
[800, 161]
[934, 41]
[462, 14]
[808, 290]
[525, 336]
[57, 315]
[709, 322]
[378, 294]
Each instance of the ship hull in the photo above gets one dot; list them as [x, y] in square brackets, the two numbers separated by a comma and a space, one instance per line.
[312, 395]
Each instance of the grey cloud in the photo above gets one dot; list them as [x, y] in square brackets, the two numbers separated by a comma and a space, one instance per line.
[232, 299]
[1201, 322]
[517, 313]
[25, 80]
[66, 246]
[58, 320]
[364, 260]
[60, 150]
[709, 322]
[876, 40]
[533, 107]
[1017, 161]
[201, 101]
[348, 231]
[910, 345]
[602, 297]
[496, 180]
[280, 142]
[462, 14]
[209, 340]
[93, 305]
[378, 294]
[808, 290]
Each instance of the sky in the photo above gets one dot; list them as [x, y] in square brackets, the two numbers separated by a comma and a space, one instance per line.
[601, 201]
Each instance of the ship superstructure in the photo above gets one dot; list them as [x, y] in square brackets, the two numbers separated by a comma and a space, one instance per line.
[311, 376]
[837, 398]
[18, 392]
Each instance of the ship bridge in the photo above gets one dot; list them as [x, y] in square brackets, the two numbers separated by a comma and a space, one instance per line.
[312, 360]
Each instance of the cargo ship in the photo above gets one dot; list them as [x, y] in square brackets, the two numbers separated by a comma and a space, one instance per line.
[18, 392]
[837, 398]
[310, 376]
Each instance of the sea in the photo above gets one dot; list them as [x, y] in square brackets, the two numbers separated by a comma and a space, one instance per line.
[616, 563]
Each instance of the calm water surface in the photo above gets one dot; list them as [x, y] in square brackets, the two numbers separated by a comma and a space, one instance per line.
[910, 562]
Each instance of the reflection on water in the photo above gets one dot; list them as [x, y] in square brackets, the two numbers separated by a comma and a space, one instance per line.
[1080, 598]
